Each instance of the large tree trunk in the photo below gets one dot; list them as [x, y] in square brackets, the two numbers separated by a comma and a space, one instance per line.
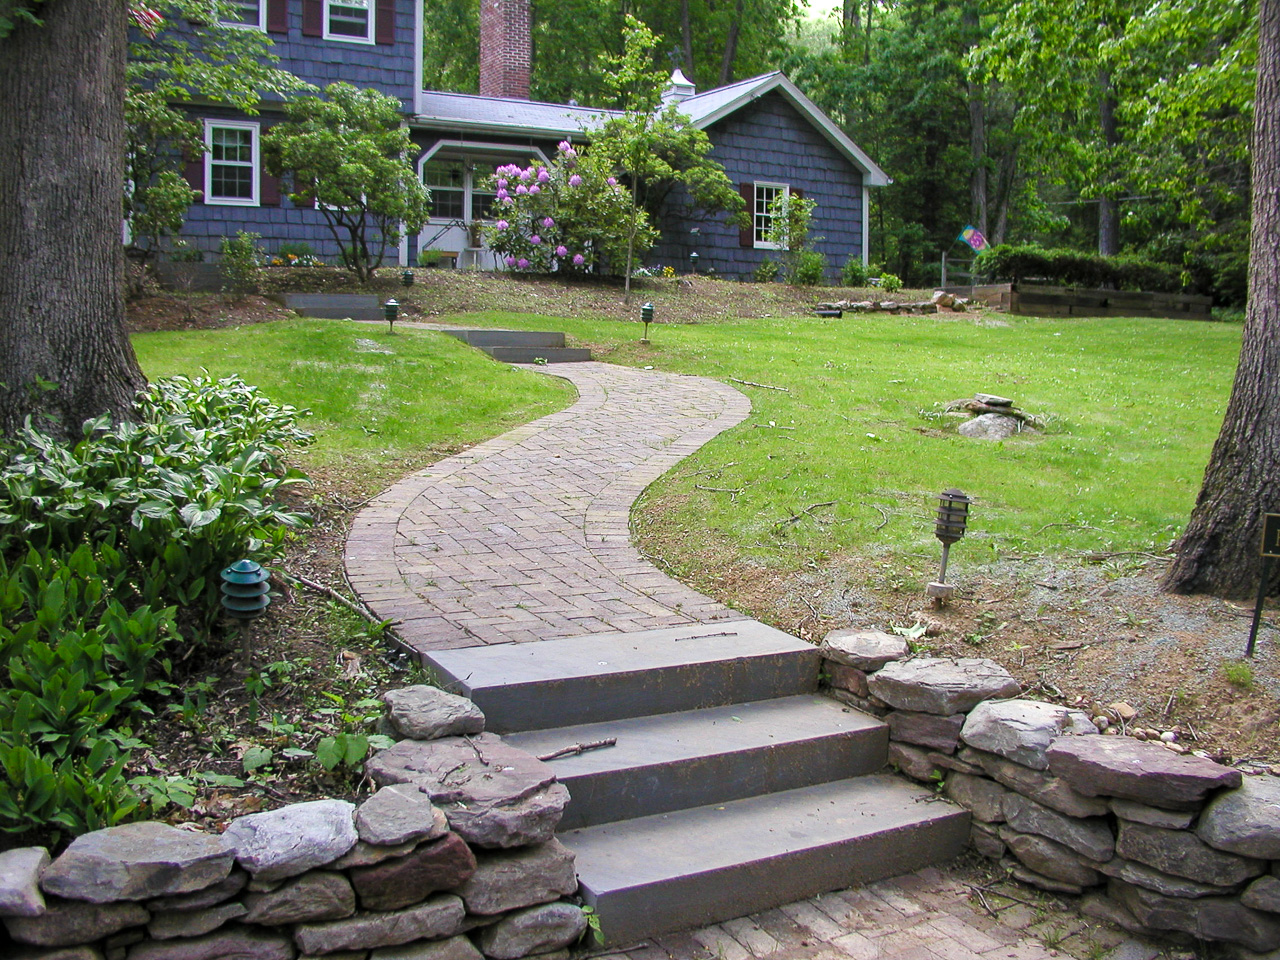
[64, 354]
[1219, 552]
[1108, 209]
[731, 45]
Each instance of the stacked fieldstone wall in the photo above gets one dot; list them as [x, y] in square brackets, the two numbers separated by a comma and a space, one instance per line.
[453, 858]
[1156, 841]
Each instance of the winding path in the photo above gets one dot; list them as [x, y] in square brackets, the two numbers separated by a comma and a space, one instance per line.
[525, 537]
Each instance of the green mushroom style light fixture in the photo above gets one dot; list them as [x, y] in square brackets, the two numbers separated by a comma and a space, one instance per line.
[391, 310]
[693, 261]
[646, 317]
[949, 528]
[407, 277]
[245, 597]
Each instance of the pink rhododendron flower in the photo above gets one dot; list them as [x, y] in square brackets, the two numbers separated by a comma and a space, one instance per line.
[534, 188]
[575, 180]
[547, 223]
[502, 194]
[543, 176]
[579, 259]
[502, 224]
[522, 189]
[562, 251]
[535, 239]
[511, 261]
[563, 146]
[522, 263]
[612, 181]
[502, 183]
[508, 200]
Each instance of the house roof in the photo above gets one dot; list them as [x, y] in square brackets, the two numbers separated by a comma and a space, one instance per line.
[704, 109]
[476, 114]
[469, 113]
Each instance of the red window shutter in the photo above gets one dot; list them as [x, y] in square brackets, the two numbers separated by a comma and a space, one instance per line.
[384, 25]
[747, 235]
[269, 190]
[313, 18]
[193, 170]
[277, 16]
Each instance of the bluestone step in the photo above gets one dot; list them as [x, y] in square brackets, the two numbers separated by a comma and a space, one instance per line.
[508, 338]
[539, 354]
[557, 683]
[335, 306]
[688, 759]
[692, 867]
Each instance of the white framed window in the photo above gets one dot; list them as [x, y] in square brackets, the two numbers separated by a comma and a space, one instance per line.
[762, 219]
[232, 164]
[458, 186]
[348, 20]
[251, 14]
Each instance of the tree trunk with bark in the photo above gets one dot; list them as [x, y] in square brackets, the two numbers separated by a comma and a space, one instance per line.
[1108, 208]
[1219, 552]
[64, 353]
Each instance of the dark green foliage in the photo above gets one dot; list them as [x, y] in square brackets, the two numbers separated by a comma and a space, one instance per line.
[855, 272]
[1074, 269]
[807, 268]
[240, 262]
[100, 544]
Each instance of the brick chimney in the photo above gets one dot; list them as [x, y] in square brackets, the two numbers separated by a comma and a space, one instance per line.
[504, 49]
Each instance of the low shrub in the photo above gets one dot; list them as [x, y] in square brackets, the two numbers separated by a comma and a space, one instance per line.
[240, 262]
[890, 282]
[766, 272]
[101, 543]
[808, 268]
[1072, 268]
[855, 272]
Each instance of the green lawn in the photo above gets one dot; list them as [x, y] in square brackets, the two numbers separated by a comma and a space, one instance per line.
[381, 404]
[1132, 408]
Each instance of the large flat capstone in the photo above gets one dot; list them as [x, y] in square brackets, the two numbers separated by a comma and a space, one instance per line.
[1136, 770]
[942, 686]
[1245, 821]
[421, 712]
[20, 871]
[136, 862]
[493, 794]
[294, 839]
[1021, 730]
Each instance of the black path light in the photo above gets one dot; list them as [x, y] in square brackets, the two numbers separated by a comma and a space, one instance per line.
[949, 527]
[693, 261]
[407, 277]
[245, 598]
[391, 310]
[646, 317]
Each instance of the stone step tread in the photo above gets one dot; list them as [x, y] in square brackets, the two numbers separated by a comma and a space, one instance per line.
[690, 867]
[690, 734]
[538, 354]
[670, 761]
[509, 338]
[554, 683]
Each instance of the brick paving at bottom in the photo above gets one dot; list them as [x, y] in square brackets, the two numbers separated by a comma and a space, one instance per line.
[932, 914]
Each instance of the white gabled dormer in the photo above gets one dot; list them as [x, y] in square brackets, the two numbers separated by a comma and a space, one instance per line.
[680, 88]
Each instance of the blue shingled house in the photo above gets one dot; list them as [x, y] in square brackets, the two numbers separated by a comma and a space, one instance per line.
[769, 137]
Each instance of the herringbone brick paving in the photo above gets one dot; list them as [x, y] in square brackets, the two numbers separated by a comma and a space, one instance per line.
[525, 538]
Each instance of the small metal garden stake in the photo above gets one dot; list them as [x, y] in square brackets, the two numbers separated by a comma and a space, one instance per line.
[245, 598]
[407, 277]
[646, 316]
[953, 515]
[391, 310]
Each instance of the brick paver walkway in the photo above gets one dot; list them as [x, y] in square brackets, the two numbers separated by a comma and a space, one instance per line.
[525, 537]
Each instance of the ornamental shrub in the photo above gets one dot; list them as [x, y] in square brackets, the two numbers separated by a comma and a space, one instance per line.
[808, 268]
[1011, 263]
[240, 262]
[568, 216]
[855, 272]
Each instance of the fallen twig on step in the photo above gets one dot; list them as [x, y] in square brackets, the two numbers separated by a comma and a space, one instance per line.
[576, 748]
[762, 386]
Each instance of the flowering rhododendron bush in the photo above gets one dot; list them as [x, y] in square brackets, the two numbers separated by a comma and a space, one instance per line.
[569, 215]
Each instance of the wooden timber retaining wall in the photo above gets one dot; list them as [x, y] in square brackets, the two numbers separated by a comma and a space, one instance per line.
[1040, 301]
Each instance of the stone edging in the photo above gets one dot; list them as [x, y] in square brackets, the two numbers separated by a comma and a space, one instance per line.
[1158, 842]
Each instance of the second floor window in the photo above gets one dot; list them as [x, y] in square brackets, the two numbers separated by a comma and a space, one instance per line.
[248, 13]
[348, 20]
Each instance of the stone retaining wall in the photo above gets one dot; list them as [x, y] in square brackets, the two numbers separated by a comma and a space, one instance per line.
[1157, 841]
[453, 858]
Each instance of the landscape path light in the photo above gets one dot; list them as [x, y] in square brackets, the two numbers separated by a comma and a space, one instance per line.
[646, 317]
[391, 310]
[693, 261]
[949, 527]
[245, 598]
[407, 277]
